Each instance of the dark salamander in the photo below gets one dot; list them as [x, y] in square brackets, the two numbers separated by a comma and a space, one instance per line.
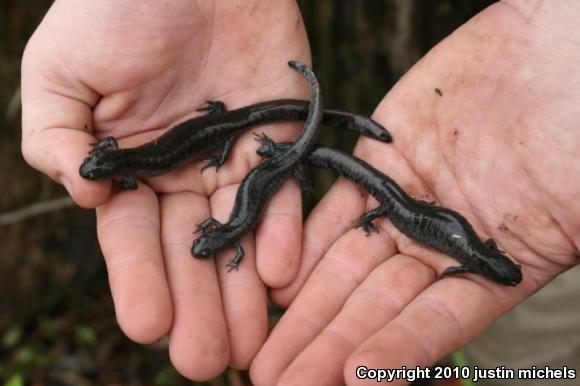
[260, 184]
[439, 228]
[201, 137]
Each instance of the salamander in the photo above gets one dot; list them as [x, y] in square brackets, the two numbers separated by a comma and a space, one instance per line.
[442, 229]
[201, 137]
[260, 184]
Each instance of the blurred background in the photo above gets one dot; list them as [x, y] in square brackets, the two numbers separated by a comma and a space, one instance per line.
[57, 324]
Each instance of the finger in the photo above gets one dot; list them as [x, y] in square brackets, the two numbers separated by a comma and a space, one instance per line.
[381, 297]
[336, 276]
[442, 319]
[329, 220]
[198, 344]
[56, 122]
[279, 237]
[128, 230]
[243, 293]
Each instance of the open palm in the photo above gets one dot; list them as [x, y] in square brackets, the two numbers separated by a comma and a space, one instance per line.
[114, 68]
[487, 124]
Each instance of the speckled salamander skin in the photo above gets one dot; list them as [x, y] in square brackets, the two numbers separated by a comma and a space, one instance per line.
[261, 183]
[442, 229]
[200, 137]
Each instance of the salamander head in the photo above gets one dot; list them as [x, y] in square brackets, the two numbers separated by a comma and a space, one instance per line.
[495, 265]
[208, 245]
[98, 166]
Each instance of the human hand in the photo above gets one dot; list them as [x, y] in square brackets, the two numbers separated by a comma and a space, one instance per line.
[111, 68]
[500, 145]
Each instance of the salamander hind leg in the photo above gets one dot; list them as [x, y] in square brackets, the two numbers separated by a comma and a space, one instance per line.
[303, 181]
[454, 271]
[237, 259]
[426, 202]
[109, 143]
[267, 145]
[366, 220]
[213, 107]
[268, 148]
[125, 183]
[221, 158]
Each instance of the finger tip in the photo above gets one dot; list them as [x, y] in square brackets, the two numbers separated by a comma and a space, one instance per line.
[279, 272]
[282, 297]
[200, 372]
[142, 326]
[260, 373]
[58, 153]
[200, 365]
[87, 194]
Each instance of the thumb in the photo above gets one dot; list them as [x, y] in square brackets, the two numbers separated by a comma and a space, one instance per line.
[57, 122]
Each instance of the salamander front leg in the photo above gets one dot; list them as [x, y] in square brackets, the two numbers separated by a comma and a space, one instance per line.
[491, 245]
[213, 107]
[206, 224]
[220, 159]
[235, 262]
[109, 143]
[125, 183]
[366, 220]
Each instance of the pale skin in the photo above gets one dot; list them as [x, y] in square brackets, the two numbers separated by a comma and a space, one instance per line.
[500, 146]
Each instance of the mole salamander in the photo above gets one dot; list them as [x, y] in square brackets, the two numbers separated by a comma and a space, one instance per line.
[442, 229]
[200, 137]
[260, 184]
